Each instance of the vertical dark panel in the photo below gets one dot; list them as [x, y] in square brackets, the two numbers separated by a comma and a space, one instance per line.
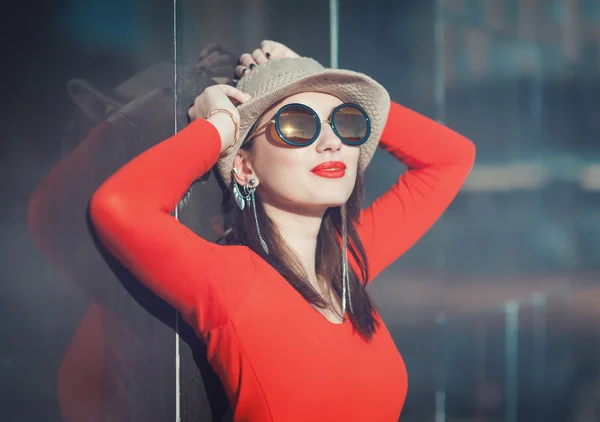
[81, 338]
[202, 397]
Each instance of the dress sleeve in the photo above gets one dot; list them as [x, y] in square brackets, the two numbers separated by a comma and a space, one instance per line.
[131, 214]
[438, 161]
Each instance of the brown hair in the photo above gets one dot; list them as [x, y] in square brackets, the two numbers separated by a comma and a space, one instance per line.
[328, 254]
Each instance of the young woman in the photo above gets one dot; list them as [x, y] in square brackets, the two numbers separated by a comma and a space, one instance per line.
[283, 307]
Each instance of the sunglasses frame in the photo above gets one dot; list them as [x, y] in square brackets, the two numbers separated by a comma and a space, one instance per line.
[319, 122]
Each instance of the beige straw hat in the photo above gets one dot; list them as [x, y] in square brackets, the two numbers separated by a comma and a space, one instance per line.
[275, 80]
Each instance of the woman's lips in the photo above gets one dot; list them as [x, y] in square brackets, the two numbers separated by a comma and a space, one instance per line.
[330, 169]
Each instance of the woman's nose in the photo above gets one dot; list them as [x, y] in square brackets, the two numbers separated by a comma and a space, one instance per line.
[328, 140]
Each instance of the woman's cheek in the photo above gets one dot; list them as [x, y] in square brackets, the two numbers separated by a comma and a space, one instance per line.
[277, 169]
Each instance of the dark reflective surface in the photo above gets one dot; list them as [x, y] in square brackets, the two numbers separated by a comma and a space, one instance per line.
[82, 339]
[511, 270]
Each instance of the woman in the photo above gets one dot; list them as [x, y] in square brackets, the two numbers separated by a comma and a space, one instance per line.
[283, 309]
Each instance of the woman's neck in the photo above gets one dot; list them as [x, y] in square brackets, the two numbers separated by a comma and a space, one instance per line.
[300, 233]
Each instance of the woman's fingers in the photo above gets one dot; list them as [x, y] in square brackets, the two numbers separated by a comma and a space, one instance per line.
[268, 51]
[217, 97]
[247, 60]
[258, 56]
[275, 50]
[241, 71]
[267, 46]
[234, 93]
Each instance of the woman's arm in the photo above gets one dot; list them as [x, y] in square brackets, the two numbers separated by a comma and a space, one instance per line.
[438, 160]
[131, 213]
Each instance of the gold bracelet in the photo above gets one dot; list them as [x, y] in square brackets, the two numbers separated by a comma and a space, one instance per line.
[226, 150]
[235, 134]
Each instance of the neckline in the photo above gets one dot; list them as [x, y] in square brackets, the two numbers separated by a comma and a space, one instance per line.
[311, 310]
[316, 315]
[319, 314]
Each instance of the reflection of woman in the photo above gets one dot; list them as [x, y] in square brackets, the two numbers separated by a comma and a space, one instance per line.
[103, 374]
[283, 308]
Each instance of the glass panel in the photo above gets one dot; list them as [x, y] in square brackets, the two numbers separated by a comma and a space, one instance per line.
[517, 78]
[473, 379]
[544, 353]
[81, 338]
[508, 364]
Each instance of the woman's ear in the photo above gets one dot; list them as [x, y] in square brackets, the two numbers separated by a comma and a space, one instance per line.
[242, 169]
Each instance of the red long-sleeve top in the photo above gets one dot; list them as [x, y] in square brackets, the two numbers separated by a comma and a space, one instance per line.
[278, 358]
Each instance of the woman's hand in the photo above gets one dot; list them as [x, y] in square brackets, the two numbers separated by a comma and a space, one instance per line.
[269, 50]
[216, 97]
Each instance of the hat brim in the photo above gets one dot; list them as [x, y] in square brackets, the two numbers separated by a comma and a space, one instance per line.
[347, 85]
[93, 101]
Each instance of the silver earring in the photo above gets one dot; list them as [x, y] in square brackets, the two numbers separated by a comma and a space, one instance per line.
[238, 197]
[249, 197]
[345, 274]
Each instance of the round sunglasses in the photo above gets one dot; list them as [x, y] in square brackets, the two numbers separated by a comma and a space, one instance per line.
[299, 125]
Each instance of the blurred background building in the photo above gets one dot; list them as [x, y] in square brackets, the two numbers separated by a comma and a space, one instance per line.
[496, 311]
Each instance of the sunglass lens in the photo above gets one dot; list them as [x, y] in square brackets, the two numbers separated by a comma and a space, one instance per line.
[298, 125]
[351, 124]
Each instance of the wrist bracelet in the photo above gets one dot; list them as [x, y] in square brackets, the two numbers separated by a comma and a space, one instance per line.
[235, 133]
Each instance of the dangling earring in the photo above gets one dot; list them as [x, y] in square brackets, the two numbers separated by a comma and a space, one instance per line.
[237, 195]
[345, 274]
[249, 198]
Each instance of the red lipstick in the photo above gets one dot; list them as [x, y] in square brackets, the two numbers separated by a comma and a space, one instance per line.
[330, 169]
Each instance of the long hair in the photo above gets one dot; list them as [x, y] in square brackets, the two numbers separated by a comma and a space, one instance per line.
[328, 254]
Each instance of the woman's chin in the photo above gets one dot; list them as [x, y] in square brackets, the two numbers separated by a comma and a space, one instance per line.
[334, 198]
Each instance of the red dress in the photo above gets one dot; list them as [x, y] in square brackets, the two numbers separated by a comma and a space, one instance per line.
[278, 358]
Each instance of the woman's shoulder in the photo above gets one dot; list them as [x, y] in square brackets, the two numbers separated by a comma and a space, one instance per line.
[235, 258]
